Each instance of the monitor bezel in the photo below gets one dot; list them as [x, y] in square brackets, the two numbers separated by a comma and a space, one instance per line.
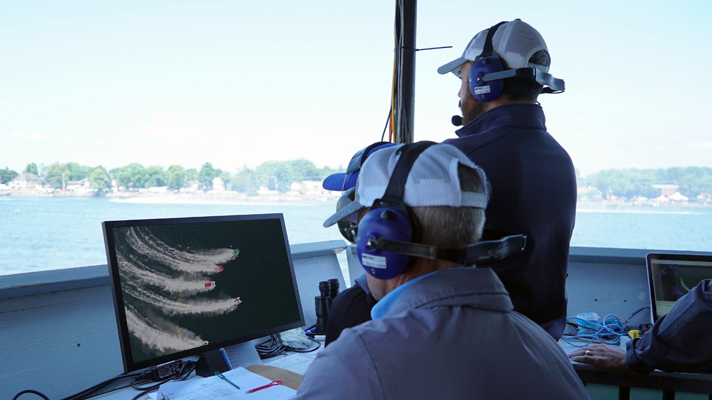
[117, 295]
[666, 256]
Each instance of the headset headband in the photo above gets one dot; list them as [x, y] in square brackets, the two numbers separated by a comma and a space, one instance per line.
[488, 48]
[358, 159]
[396, 185]
[551, 85]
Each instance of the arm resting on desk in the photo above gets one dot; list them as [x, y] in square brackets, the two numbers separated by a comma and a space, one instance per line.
[681, 341]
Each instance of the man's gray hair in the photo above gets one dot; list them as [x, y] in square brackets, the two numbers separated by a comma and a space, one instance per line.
[453, 227]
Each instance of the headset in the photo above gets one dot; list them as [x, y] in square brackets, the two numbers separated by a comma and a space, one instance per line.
[386, 234]
[489, 71]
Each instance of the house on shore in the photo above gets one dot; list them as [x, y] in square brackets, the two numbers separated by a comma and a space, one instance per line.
[26, 180]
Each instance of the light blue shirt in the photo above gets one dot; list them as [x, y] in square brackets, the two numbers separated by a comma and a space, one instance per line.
[384, 305]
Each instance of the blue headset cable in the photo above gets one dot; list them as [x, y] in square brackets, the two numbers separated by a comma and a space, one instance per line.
[609, 332]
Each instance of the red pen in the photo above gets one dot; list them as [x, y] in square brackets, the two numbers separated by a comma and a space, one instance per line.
[273, 383]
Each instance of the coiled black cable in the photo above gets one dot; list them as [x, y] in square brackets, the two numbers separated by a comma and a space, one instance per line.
[274, 346]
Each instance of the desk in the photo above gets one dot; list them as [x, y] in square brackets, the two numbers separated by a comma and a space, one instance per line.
[658, 385]
[275, 370]
[288, 368]
[58, 331]
[600, 385]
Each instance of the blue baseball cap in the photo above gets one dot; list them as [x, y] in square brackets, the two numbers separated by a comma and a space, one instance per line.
[342, 181]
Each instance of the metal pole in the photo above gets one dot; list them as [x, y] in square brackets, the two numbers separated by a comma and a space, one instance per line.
[405, 101]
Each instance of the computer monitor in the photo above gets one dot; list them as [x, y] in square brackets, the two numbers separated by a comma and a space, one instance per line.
[186, 286]
[671, 276]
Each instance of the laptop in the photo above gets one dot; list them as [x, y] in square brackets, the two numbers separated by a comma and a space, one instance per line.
[671, 276]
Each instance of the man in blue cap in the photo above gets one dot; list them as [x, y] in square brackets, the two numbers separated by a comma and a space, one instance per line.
[353, 305]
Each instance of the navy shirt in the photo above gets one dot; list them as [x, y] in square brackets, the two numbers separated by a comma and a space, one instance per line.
[533, 193]
[680, 341]
[351, 307]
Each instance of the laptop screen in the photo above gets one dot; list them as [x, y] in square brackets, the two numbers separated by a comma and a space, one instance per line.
[671, 276]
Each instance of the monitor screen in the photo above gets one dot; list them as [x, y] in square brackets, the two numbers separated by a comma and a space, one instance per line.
[185, 286]
[671, 276]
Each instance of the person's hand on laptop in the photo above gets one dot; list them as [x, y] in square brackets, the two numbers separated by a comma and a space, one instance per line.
[606, 357]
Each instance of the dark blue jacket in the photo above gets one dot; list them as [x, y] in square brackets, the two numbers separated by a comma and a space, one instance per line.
[680, 341]
[533, 193]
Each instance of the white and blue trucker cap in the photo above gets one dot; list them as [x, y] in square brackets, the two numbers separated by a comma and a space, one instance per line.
[514, 42]
[432, 181]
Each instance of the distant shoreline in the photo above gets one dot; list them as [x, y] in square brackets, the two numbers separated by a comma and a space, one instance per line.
[256, 201]
[234, 198]
[608, 209]
[228, 198]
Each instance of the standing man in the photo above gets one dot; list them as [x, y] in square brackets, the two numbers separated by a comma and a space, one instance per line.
[502, 71]
[441, 329]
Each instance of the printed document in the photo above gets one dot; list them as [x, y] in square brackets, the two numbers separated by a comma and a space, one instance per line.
[214, 388]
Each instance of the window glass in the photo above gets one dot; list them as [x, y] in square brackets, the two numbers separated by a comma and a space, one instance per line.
[126, 110]
[632, 118]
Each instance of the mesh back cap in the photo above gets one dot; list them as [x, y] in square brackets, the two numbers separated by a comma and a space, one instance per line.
[432, 181]
[515, 42]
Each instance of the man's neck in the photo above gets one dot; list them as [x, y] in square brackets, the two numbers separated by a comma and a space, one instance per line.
[420, 268]
[491, 105]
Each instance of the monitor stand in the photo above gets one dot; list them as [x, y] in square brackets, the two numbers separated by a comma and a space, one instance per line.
[239, 355]
[244, 354]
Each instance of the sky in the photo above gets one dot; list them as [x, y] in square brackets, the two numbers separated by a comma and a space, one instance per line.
[240, 82]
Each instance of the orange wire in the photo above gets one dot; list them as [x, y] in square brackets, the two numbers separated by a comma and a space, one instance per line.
[391, 123]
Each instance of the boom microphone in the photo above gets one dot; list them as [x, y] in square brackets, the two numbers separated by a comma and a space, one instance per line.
[456, 120]
[480, 253]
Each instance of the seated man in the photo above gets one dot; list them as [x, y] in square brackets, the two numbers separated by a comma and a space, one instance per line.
[680, 341]
[350, 308]
[441, 330]
[353, 305]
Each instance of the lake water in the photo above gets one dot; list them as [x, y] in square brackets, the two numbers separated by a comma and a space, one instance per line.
[41, 233]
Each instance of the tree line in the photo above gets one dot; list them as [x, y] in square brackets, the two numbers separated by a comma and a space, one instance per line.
[279, 175]
[632, 182]
[275, 175]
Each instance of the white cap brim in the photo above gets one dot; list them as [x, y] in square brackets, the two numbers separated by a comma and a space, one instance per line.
[432, 181]
[348, 212]
[452, 66]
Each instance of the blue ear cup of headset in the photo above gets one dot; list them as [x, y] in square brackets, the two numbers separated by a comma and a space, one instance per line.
[486, 91]
[390, 218]
[488, 62]
[388, 222]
